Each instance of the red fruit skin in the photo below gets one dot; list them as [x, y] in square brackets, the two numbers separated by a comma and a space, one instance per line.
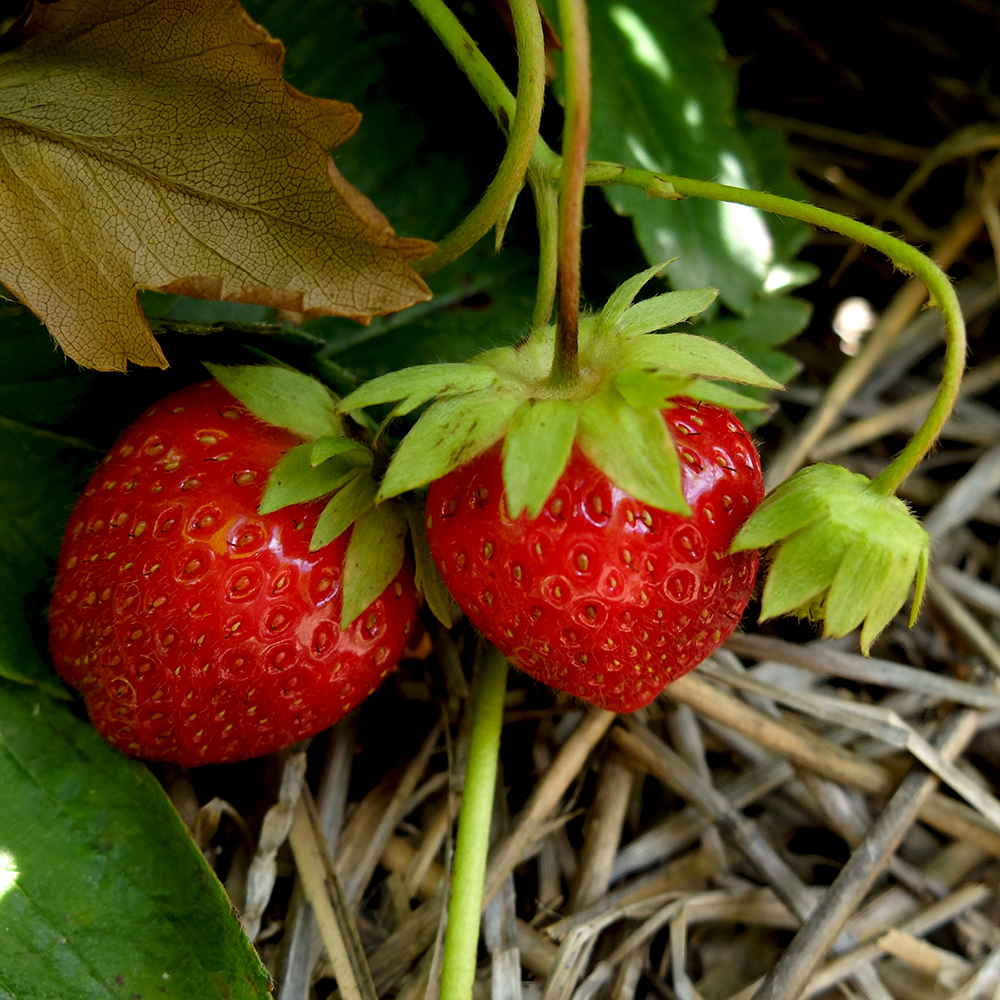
[602, 596]
[197, 630]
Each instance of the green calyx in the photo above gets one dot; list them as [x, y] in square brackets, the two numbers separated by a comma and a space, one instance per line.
[628, 374]
[331, 463]
[841, 553]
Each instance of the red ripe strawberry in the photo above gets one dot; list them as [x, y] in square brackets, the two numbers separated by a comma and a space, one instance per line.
[601, 595]
[198, 630]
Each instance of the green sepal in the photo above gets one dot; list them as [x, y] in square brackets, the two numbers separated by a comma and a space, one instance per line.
[623, 296]
[350, 450]
[411, 387]
[804, 566]
[686, 354]
[855, 588]
[842, 553]
[535, 452]
[720, 395]
[294, 479]
[283, 397]
[343, 509]
[651, 386]
[449, 433]
[634, 449]
[893, 593]
[920, 584]
[656, 387]
[374, 556]
[666, 310]
[426, 574]
[788, 508]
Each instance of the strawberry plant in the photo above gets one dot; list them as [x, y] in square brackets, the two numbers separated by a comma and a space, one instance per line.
[587, 490]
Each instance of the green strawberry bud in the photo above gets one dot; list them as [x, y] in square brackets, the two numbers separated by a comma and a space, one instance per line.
[841, 552]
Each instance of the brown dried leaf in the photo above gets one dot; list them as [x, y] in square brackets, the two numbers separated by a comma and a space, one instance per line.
[154, 144]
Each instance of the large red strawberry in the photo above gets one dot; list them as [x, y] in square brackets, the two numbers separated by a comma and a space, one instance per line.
[582, 515]
[197, 629]
[601, 595]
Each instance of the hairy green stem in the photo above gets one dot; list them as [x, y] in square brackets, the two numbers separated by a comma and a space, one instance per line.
[904, 256]
[472, 843]
[572, 181]
[520, 117]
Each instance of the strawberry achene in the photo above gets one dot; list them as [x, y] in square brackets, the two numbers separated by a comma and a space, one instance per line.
[603, 596]
[197, 630]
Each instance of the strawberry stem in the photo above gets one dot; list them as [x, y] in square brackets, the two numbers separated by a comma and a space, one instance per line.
[458, 970]
[904, 256]
[572, 181]
[520, 118]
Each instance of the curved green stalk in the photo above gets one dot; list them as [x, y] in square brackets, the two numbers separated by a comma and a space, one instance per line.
[472, 843]
[546, 197]
[521, 117]
[904, 256]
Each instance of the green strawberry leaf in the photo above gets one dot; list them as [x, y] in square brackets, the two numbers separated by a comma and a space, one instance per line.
[788, 508]
[415, 386]
[686, 354]
[282, 397]
[345, 506]
[374, 556]
[536, 451]
[664, 96]
[771, 322]
[664, 311]
[296, 480]
[93, 855]
[449, 433]
[623, 296]
[426, 574]
[347, 448]
[633, 448]
[42, 471]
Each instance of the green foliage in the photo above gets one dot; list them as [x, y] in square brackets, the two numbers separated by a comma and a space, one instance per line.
[102, 892]
[296, 480]
[344, 507]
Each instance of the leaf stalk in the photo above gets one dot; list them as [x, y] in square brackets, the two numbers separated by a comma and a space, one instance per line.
[520, 117]
[907, 258]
